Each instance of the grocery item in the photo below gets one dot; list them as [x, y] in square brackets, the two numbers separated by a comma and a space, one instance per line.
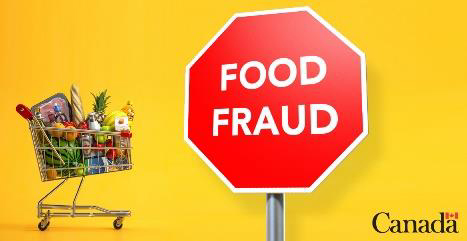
[100, 151]
[69, 123]
[80, 171]
[83, 125]
[109, 143]
[123, 139]
[121, 123]
[57, 133]
[71, 135]
[46, 109]
[121, 143]
[100, 104]
[126, 134]
[101, 139]
[129, 110]
[76, 105]
[86, 141]
[110, 119]
[93, 124]
[111, 154]
[51, 174]
[69, 155]
[58, 114]
[96, 165]
[106, 128]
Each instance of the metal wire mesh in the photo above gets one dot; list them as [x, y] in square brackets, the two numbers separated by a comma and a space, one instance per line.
[68, 152]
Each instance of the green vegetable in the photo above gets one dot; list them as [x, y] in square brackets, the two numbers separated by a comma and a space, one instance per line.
[80, 171]
[70, 156]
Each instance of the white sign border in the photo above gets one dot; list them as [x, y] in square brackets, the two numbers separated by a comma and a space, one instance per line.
[337, 161]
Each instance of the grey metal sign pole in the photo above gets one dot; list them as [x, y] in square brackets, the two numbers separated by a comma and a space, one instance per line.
[275, 217]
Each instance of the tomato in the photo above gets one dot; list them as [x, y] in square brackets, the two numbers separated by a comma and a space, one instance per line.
[111, 154]
[69, 123]
[83, 125]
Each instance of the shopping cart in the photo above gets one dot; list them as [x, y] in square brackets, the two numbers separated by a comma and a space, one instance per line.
[60, 158]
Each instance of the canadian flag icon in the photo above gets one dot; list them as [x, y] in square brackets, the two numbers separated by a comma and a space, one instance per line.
[450, 215]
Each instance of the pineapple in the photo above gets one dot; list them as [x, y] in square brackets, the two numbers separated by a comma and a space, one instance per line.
[101, 102]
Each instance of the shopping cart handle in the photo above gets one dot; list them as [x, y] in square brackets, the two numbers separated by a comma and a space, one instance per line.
[24, 111]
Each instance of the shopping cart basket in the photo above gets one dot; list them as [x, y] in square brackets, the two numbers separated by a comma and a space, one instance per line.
[60, 158]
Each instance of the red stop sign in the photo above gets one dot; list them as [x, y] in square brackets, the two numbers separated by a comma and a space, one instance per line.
[275, 101]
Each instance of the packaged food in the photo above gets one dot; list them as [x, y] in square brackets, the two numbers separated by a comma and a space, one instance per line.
[97, 165]
[58, 114]
[53, 109]
[86, 141]
[121, 123]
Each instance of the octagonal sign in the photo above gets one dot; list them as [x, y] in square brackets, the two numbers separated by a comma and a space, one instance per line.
[275, 101]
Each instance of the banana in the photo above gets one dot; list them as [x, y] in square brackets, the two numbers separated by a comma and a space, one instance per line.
[110, 119]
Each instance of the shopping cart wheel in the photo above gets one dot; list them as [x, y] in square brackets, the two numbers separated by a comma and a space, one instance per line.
[118, 223]
[42, 225]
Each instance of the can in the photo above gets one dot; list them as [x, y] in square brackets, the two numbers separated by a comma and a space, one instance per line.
[86, 141]
[121, 143]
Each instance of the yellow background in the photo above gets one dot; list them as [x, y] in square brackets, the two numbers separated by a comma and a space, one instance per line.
[413, 163]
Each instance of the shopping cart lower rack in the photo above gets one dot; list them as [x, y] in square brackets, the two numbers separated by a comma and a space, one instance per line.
[64, 153]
